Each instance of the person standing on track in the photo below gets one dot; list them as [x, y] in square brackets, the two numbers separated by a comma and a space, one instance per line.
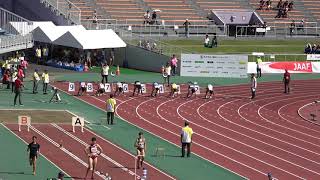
[104, 73]
[286, 81]
[17, 90]
[167, 74]
[253, 86]
[186, 139]
[34, 150]
[45, 78]
[36, 80]
[141, 145]
[92, 151]
[111, 107]
[259, 63]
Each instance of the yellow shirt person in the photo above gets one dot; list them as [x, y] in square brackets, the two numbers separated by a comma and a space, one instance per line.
[111, 107]
[186, 139]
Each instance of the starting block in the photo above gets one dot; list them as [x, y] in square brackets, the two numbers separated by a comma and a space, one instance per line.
[77, 121]
[24, 121]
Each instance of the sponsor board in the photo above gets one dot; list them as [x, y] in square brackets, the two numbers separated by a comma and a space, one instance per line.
[280, 67]
[203, 65]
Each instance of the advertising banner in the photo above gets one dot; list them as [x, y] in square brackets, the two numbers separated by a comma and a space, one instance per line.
[202, 65]
[280, 67]
[313, 57]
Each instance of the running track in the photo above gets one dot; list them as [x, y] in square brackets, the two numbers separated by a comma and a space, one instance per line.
[248, 137]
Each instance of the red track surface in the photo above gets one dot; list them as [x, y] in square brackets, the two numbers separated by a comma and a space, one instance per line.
[59, 133]
[249, 137]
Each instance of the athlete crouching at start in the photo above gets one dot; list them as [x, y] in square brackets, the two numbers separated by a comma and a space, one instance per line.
[137, 87]
[119, 89]
[174, 89]
[191, 89]
[209, 91]
[155, 89]
[100, 90]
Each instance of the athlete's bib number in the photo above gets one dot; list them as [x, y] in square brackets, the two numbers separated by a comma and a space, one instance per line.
[107, 87]
[143, 88]
[125, 88]
[161, 89]
[89, 87]
[71, 87]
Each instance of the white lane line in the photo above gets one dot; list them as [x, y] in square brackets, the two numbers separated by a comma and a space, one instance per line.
[257, 149]
[237, 132]
[240, 152]
[299, 111]
[218, 110]
[125, 121]
[266, 119]
[40, 152]
[197, 144]
[299, 118]
[86, 145]
[64, 150]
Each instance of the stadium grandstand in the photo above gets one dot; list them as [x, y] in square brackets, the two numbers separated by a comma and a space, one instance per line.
[159, 89]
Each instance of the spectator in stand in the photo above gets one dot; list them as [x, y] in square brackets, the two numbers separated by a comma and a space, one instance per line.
[308, 49]
[280, 4]
[186, 25]
[290, 6]
[285, 4]
[95, 18]
[261, 4]
[174, 64]
[146, 17]
[206, 41]
[154, 18]
[268, 4]
[300, 26]
[292, 27]
[286, 81]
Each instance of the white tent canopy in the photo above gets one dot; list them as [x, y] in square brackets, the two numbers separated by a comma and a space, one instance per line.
[48, 34]
[24, 28]
[90, 39]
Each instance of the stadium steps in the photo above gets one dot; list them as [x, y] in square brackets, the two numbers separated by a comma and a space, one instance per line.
[312, 8]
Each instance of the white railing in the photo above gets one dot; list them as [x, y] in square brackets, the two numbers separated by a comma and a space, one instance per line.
[66, 8]
[15, 42]
[10, 22]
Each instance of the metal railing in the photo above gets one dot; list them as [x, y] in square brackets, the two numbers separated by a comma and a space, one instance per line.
[151, 44]
[15, 32]
[15, 42]
[66, 8]
[12, 23]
